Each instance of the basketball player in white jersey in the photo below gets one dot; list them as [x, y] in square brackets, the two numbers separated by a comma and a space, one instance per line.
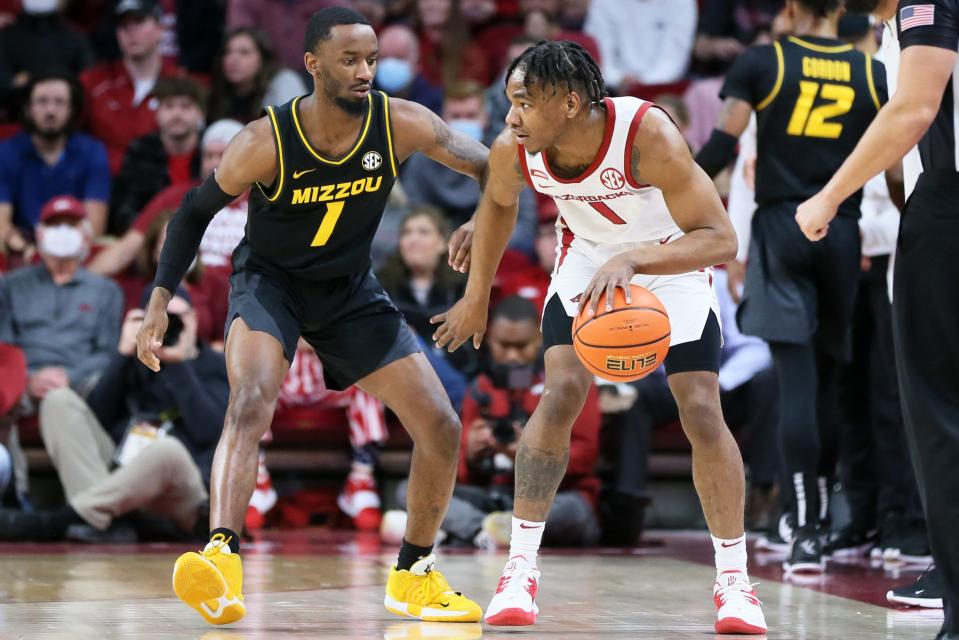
[634, 207]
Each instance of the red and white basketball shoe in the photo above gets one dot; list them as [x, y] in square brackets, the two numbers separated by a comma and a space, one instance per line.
[738, 610]
[514, 603]
[361, 502]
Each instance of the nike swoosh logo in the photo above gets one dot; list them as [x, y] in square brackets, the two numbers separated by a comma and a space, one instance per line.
[444, 605]
[297, 174]
[726, 546]
[919, 592]
[522, 525]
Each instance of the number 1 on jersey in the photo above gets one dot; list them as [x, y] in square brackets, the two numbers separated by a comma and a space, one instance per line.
[333, 211]
[606, 212]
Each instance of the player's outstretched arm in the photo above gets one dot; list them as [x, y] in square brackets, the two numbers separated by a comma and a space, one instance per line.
[661, 158]
[419, 129]
[495, 219]
[250, 157]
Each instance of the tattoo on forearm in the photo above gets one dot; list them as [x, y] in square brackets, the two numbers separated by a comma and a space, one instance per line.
[464, 149]
[539, 472]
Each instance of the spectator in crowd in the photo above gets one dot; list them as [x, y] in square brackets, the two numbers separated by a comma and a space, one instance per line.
[168, 156]
[372, 10]
[517, 275]
[283, 21]
[160, 429]
[38, 42]
[247, 78]
[198, 27]
[428, 183]
[222, 235]
[651, 47]
[304, 390]
[119, 93]
[748, 394]
[13, 383]
[65, 318]
[675, 107]
[537, 20]
[398, 69]
[422, 284]
[494, 414]
[447, 53]
[50, 158]
[727, 27]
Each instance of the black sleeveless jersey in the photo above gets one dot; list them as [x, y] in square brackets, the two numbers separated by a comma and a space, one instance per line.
[317, 220]
[814, 99]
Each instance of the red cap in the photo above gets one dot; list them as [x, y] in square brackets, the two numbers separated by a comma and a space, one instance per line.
[13, 377]
[61, 206]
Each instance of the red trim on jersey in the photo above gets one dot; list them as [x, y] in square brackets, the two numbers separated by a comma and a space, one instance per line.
[567, 241]
[630, 137]
[522, 162]
[600, 156]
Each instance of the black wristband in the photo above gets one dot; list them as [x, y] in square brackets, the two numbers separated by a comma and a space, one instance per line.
[186, 229]
[717, 152]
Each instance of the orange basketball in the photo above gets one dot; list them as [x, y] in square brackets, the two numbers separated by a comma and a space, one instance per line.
[624, 344]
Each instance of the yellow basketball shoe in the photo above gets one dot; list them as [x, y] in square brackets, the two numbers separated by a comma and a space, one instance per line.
[423, 593]
[211, 582]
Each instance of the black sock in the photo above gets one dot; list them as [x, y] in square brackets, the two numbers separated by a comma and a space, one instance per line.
[229, 537]
[410, 554]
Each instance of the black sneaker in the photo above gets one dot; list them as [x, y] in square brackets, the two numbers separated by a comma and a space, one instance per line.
[780, 538]
[805, 556]
[926, 592]
[851, 542]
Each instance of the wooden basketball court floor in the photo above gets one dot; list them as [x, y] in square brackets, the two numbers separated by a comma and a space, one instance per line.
[315, 584]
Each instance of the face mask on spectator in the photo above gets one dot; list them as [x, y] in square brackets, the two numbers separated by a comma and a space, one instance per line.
[40, 6]
[62, 241]
[468, 126]
[393, 74]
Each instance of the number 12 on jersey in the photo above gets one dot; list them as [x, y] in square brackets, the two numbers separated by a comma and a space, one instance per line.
[814, 122]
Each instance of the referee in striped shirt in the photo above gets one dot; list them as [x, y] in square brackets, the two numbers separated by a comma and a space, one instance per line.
[923, 110]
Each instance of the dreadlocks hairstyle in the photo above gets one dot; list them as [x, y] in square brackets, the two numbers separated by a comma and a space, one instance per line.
[821, 8]
[561, 64]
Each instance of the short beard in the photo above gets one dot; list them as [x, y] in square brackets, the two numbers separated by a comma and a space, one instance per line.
[49, 135]
[332, 89]
[353, 106]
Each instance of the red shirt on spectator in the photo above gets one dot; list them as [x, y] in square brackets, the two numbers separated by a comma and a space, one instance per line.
[517, 275]
[111, 115]
[472, 62]
[584, 442]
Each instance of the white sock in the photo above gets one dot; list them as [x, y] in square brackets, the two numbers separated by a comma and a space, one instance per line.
[524, 541]
[730, 554]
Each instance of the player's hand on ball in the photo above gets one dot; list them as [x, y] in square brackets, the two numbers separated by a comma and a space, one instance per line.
[466, 318]
[617, 272]
[814, 216]
[459, 245]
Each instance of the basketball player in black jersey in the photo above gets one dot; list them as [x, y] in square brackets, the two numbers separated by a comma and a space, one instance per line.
[320, 169]
[814, 96]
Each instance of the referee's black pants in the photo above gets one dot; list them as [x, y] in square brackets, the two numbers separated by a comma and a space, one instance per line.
[874, 460]
[926, 332]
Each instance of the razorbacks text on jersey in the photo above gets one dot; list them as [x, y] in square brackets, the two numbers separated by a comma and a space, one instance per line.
[814, 99]
[318, 218]
[605, 204]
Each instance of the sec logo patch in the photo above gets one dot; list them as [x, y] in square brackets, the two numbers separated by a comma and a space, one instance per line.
[372, 161]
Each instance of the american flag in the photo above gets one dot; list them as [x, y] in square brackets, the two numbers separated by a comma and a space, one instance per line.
[919, 15]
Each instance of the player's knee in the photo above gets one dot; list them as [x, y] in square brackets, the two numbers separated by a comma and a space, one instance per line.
[444, 433]
[565, 396]
[250, 409]
[702, 417]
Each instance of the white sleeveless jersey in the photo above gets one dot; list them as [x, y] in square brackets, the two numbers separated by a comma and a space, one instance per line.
[605, 204]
